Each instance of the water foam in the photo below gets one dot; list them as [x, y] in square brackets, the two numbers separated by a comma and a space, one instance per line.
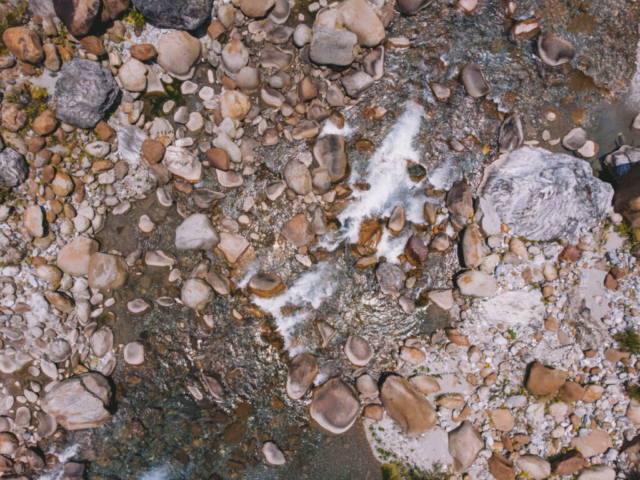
[63, 457]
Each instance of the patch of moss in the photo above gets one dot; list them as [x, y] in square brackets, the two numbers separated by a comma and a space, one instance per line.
[629, 340]
[5, 194]
[625, 230]
[14, 18]
[634, 391]
[134, 19]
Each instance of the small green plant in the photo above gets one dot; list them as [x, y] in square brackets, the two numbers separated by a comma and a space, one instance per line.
[13, 18]
[626, 230]
[629, 340]
[512, 334]
[134, 19]
[634, 391]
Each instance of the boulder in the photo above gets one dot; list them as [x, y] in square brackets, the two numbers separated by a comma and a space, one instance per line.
[107, 271]
[196, 233]
[178, 52]
[182, 15]
[84, 92]
[24, 44]
[197, 294]
[406, 406]
[333, 47]
[543, 380]
[302, 371]
[79, 402]
[265, 285]
[476, 283]
[78, 15]
[464, 445]
[335, 406]
[544, 196]
[13, 168]
[73, 258]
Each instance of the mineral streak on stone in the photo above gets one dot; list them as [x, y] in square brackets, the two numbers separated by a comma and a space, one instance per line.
[543, 196]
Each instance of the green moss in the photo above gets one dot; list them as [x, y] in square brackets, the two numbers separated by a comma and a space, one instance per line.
[5, 194]
[634, 391]
[13, 18]
[629, 340]
[625, 230]
[134, 19]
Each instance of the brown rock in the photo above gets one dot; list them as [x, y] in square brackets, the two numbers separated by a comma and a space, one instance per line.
[593, 393]
[77, 15]
[265, 285]
[595, 443]
[544, 380]
[73, 258]
[610, 282]
[503, 419]
[24, 43]
[406, 406]
[569, 463]
[298, 230]
[62, 185]
[152, 151]
[216, 30]
[307, 89]
[104, 132]
[36, 144]
[144, 52]
[416, 251]
[256, 8]
[235, 433]
[218, 158]
[93, 45]
[570, 253]
[45, 123]
[572, 392]
[501, 468]
[459, 201]
[13, 118]
[374, 412]
[113, 8]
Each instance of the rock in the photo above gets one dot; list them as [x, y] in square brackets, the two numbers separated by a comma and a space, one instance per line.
[13, 117]
[196, 233]
[45, 123]
[390, 278]
[568, 463]
[234, 105]
[411, 7]
[633, 411]
[459, 201]
[218, 158]
[281, 11]
[93, 45]
[536, 467]
[298, 231]
[8, 443]
[183, 15]
[426, 384]
[474, 81]
[408, 408]
[397, 220]
[102, 341]
[543, 380]
[326, 331]
[134, 353]
[543, 196]
[73, 258]
[24, 43]
[555, 51]
[13, 168]
[107, 271]
[84, 91]
[356, 83]
[501, 468]
[183, 164]
[34, 221]
[52, 60]
[593, 393]
[133, 75]
[335, 406]
[358, 351]
[178, 52]
[233, 246]
[79, 402]
[473, 247]
[265, 285]
[197, 294]
[359, 18]
[298, 177]
[333, 47]
[330, 153]
[152, 151]
[78, 15]
[525, 31]
[464, 445]
[143, 52]
[248, 79]
[572, 392]
[205, 198]
[597, 473]
[256, 8]
[113, 8]
[575, 139]
[234, 56]
[503, 419]
[302, 371]
[625, 201]
[416, 251]
[373, 63]
[592, 444]
[302, 35]
[511, 133]
[476, 283]
[272, 454]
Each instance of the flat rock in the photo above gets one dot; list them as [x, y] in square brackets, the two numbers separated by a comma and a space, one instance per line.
[335, 406]
[196, 233]
[476, 283]
[183, 15]
[543, 380]
[406, 406]
[464, 445]
[537, 468]
[265, 285]
[73, 258]
[302, 371]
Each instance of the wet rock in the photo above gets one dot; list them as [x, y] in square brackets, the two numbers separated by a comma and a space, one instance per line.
[24, 43]
[102, 341]
[459, 201]
[555, 51]
[79, 402]
[333, 47]
[233, 246]
[205, 198]
[535, 467]
[13, 168]
[408, 408]
[390, 278]
[298, 230]
[256, 8]
[464, 445]
[476, 283]
[525, 31]
[302, 371]
[234, 56]
[543, 380]
[357, 83]
[358, 350]
[592, 444]
[265, 285]
[575, 139]
[73, 258]
[543, 196]
[178, 52]
[84, 91]
[134, 353]
[218, 158]
[359, 18]
[473, 250]
[474, 81]
[183, 15]
[501, 468]
[335, 406]
[397, 220]
[416, 251]
[197, 294]
[234, 105]
[330, 153]
[511, 134]
[411, 7]
[133, 75]
[196, 233]
[106, 271]
[8, 443]
[183, 164]
[78, 15]
[272, 454]
[298, 177]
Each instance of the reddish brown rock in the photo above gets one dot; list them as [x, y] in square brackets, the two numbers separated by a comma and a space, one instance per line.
[415, 250]
[104, 132]
[572, 392]
[501, 468]
[93, 45]
[78, 15]
[610, 283]
[218, 158]
[569, 463]
[265, 285]
[24, 43]
[298, 230]
[144, 52]
[544, 380]
[45, 123]
[152, 151]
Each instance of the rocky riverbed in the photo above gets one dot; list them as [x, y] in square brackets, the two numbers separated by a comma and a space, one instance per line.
[362, 239]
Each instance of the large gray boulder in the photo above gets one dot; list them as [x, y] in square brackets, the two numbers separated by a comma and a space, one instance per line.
[85, 91]
[79, 402]
[182, 15]
[13, 168]
[544, 196]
